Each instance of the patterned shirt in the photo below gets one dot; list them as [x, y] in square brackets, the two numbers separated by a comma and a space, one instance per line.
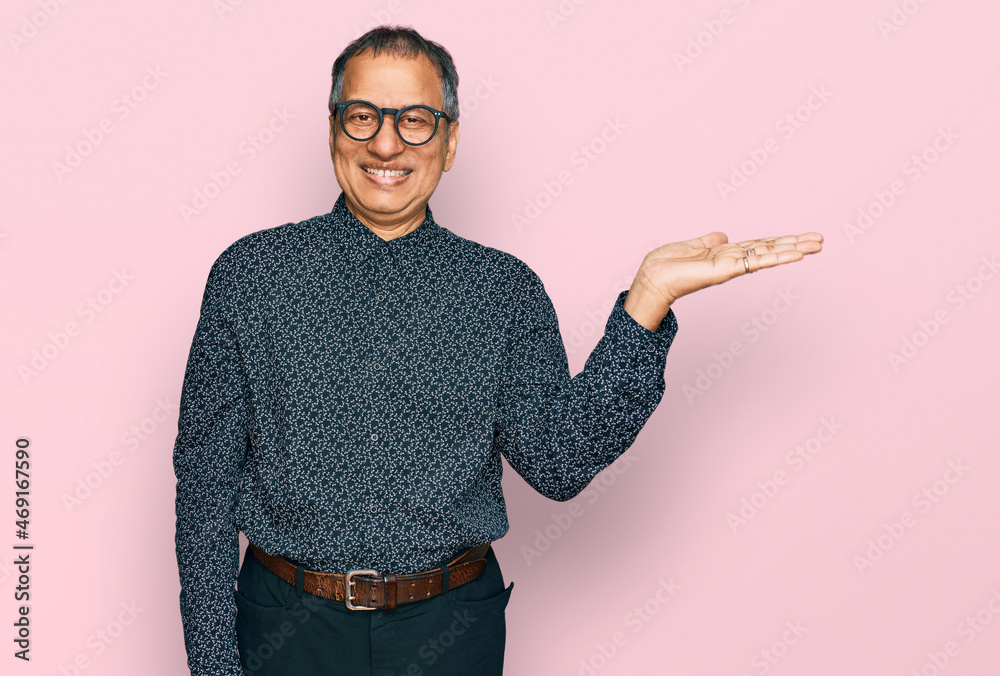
[347, 400]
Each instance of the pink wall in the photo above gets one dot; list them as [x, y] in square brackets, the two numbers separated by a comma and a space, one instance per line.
[792, 507]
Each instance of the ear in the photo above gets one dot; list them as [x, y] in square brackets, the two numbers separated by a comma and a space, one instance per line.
[333, 135]
[449, 156]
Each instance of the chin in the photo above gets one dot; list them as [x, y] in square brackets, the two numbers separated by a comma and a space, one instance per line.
[382, 202]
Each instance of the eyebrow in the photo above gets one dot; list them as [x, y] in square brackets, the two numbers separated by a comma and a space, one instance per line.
[421, 103]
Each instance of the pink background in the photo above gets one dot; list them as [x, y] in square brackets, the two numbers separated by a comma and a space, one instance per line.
[875, 577]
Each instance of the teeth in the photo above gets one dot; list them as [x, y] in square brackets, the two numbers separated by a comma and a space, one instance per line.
[381, 172]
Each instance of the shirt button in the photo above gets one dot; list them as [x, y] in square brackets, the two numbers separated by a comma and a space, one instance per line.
[379, 297]
[378, 366]
[385, 249]
[650, 348]
[373, 509]
[374, 437]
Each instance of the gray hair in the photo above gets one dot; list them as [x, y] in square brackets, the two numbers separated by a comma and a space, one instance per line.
[400, 41]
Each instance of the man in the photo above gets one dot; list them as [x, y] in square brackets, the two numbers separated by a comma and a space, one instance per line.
[353, 381]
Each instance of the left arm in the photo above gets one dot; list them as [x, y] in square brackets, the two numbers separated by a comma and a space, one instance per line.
[558, 432]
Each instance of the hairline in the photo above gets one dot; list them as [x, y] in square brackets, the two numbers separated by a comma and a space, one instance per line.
[402, 42]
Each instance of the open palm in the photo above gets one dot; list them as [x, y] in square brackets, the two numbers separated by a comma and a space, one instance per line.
[674, 270]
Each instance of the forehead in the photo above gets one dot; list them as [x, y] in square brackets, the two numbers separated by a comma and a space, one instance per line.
[392, 81]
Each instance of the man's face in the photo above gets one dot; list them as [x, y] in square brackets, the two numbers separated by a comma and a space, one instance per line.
[391, 82]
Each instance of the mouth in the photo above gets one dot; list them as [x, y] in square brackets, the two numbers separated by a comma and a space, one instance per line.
[383, 172]
[387, 177]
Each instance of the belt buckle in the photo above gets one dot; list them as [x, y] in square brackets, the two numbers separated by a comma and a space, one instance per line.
[348, 582]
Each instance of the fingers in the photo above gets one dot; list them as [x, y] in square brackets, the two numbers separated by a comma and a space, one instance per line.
[746, 257]
[761, 249]
[779, 244]
[808, 242]
[753, 262]
[806, 237]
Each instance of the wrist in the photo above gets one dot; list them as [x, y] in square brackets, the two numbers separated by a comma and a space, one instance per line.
[645, 308]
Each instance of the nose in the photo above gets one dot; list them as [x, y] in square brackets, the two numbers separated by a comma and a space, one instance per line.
[387, 142]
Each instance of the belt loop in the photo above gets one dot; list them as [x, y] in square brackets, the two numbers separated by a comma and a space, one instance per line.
[390, 591]
[299, 577]
[444, 578]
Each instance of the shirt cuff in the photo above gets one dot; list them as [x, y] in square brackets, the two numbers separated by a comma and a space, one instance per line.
[633, 350]
[654, 342]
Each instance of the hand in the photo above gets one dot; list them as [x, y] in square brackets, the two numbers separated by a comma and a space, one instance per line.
[675, 270]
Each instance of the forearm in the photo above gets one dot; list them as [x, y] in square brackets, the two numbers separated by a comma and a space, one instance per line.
[558, 432]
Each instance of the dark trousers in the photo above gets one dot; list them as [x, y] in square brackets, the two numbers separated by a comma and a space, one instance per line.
[282, 630]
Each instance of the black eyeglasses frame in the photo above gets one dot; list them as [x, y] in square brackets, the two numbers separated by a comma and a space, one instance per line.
[396, 113]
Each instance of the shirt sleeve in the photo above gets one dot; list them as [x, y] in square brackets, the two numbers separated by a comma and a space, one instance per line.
[558, 432]
[208, 463]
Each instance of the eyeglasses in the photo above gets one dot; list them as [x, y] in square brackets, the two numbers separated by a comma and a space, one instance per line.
[416, 125]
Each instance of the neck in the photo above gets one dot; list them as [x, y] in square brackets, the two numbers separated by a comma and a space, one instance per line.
[390, 226]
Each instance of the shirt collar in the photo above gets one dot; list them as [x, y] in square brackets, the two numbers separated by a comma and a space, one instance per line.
[359, 241]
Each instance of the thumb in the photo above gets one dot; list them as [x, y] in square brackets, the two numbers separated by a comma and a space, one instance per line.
[708, 240]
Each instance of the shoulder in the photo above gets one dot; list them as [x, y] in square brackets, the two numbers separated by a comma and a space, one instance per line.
[500, 266]
[269, 245]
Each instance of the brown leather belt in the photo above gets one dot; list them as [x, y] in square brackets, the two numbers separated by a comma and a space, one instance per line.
[371, 590]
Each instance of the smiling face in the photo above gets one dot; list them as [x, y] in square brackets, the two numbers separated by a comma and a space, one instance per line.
[391, 205]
